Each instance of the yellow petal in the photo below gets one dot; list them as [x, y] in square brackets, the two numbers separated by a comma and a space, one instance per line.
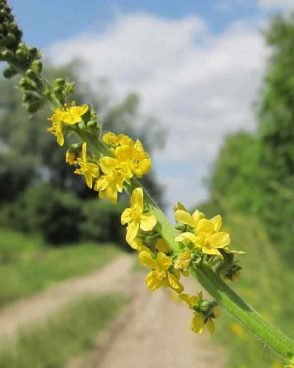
[210, 326]
[132, 231]
[174, 282]
[109, 138]
[152, 282]
[197, 323]
[108, 164]
[186, 238]
[191, 300]
[183, 260]
[197, 215]
[217, 311]
[137, 199]
[163, 261]
[184, 217]
[60, 139]
[126, 216]
[205, 226]
[111, 194]
[187, 299]
[135, 244]
[219, 240]
[217, 221]
[84, 151]
[138, 245]
[147, 222]
[74, 113]
[83, 109]
[101, 183]
[89, 179]
[143, 167]
[162, 246]
[212, 251]
[145, 258]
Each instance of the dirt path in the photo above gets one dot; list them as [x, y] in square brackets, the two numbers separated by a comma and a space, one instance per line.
[153, 332]
[40, 306]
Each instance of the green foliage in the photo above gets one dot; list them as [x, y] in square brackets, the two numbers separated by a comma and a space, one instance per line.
[253, 178]
[235, 173]
[264, 283]
[50, 211]
[101, 221]
[68, 334]
[27, 266]
[255, 172]
[29, 157]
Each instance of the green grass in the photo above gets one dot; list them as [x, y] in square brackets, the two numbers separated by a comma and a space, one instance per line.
[27, 265]
[266, 283]
[68, 334]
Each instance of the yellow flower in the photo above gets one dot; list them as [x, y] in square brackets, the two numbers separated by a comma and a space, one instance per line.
[70, 157]
[109, 184]
[200, 320]
[135, 216]
[134, 158]
[183, 260]
[112, 139]
[56, 130]
[206, 236]
[69, 114]
[160, 276]
[88, 169]
[65, 115]
[141, 160]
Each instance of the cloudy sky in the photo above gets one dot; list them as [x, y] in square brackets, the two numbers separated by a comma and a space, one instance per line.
[197, 66]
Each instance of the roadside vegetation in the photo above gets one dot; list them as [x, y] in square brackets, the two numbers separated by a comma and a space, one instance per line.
[27, 265]
[68, 334]
[265, 282]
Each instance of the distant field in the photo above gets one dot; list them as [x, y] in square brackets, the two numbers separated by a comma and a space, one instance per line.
[66, 335]
[266, 283]
[27, 265]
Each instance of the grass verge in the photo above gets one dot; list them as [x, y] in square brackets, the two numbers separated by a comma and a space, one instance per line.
[266, 284]
[27, 265]
[68, 334]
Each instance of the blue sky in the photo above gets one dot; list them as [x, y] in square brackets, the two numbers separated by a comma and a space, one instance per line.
[196, 65]
[47, 21]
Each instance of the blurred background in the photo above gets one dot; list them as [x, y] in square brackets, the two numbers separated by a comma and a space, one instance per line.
[209, 88]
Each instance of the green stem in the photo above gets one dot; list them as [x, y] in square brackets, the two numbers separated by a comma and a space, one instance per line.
[212, 282]
[244, 313]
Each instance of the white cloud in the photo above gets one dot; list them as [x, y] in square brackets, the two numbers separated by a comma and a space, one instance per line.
[200, 85]
[277, 4]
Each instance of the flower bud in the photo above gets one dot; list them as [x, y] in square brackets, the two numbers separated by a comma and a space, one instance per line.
[9, 72]
[92, 124]
[37, 66]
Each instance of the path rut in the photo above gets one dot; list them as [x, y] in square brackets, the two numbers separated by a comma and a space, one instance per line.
[42, 305]
[154, 331]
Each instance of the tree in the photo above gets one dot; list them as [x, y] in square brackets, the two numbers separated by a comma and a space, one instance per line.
[255, 172]
[29, 155]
